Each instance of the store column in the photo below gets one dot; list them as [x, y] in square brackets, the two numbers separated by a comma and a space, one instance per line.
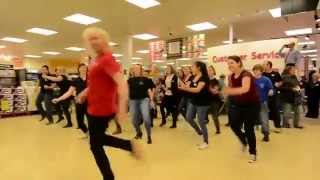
[127, 51]
[231, 34]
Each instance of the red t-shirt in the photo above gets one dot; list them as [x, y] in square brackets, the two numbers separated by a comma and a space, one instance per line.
[252, 96]
[102, 90]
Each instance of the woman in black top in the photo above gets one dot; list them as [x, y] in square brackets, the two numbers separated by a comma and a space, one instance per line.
[64, 84]
[313, 95]
[171, 98]
[200, 101]
[77, 86]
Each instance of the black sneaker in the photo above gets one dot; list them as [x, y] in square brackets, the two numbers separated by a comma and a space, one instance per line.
[266, 138]
[59, 120]
[67, 126]
[163, 124]
[42, 118]
[138, 136]
[298, 127]
[49, 123]
[149, 140]
[173, 126]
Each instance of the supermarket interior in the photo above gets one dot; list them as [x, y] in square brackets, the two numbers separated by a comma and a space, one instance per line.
[159, 47]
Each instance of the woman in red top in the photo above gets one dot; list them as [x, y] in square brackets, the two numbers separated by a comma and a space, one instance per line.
[107, 97]
[244, 104]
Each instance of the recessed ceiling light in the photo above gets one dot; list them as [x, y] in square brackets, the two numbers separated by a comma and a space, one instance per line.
[143, 51]
[306, 43]
[295, 32]
[276, 12]
[14, 40]
[41, 31]
[144, 3]
[54, 53]
[308, 51]
[202, 26]
[117, 55]
[1, 46]
[32, 56]
[136, 58]
[112, 44]
[184, 59]
[78, 49]
[82, 19]
[145, 36]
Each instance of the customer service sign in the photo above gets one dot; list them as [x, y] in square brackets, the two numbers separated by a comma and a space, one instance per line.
[252, 53]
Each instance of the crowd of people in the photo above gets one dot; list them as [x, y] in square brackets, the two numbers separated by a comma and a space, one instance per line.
[250, 97]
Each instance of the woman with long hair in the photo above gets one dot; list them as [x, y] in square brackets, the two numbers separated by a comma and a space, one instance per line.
[185, 96]
[171, 96]
[244, 105]
[200, 103]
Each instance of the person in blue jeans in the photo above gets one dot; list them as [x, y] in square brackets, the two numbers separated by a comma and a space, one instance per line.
[200, 101]
[141, 95]
[265, 89]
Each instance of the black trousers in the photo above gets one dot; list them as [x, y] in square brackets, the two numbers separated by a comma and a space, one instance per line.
[64, 106]
[274, 110]
[245, 116]
[313, 107]
[98, 139]
[46, 98]
[81, 111]
[171, 104]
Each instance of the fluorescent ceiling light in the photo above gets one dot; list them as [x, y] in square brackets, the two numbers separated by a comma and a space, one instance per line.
[276, 12]
[184, 59]
[202, 26]
[308, 51]
[314, 59]
[306, 43]
[136, 63]
[171, 63]
[14, 40]
[117, 55]
[295, 32]
[313, 55]
[1, 46]
[228, 42]
[143, 51]
[136, 58]
[32, 56]
[117, 60]
[158, 61]
[78, 49]
[54, 53]
[186, 65]
[112, 44]
[145, 36]
[41, 31]
[82, 19]
[144, 3]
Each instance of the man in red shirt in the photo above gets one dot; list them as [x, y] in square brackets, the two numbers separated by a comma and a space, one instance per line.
[107, 98]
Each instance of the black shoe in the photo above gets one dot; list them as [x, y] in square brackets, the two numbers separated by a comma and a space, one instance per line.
[298, 127]
[117, 131]
[67, 126]
[59, 120]
[287, 126]
[266, 138]
[149, 140]
[138, 136]
[163, 124]
[42, 118]
[218, 132]
[228, 124]
[173, 126]
[49, 123]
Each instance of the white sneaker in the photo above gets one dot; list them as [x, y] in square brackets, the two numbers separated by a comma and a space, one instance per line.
[203, 146]
[253, 158]
[277, 130]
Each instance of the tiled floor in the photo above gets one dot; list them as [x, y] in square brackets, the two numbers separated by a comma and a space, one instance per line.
[29, 150]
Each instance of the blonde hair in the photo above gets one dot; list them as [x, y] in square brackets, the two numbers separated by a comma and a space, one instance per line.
[98, 31]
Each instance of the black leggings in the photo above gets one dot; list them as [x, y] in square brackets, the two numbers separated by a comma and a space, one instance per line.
[64, 106]
[98, 139]
[245, 116]
[274, 110]
[171, 105]
[81, 111]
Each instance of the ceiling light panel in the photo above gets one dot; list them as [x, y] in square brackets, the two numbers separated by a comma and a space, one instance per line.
[143, 51]
[54, 53]
[296, 32]
[78, 49]
[308, 51]
[136, 58]
[313, 55]
[42, 31]
[32, 56]
[112, 44]
[307, 43]
[145, 36]
[276, 12]
[145, 4]
[117, 55]
[202, 26]
[14, 40]
[82, 19]
[1, 46]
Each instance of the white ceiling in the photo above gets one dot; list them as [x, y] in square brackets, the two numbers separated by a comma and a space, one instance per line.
[250, 18]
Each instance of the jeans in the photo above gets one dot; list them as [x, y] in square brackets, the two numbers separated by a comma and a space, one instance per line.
[98, 139]
[182, 108]
[202, 113]
[140, 108]
[81, 111]
[288, 109]
[244, 116]
[264, 118]
[214, 111]
[46, 98]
